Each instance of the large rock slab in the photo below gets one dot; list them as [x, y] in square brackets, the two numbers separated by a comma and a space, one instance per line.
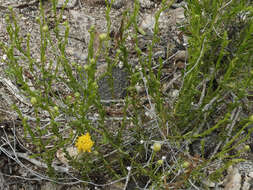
[119, 77]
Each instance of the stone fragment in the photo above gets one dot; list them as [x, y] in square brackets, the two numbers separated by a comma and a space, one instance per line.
[50, 186]
[208, 183]
[211, 142]
[178, 15]
[148, 23]
[181, 55]
[163, 21]
[72, 151]
[117, 4]
[178, 4]
[175, 93]
[116, 186]
[119, 79]
[246, 185]
[70, 4]
[81, 24]
[233, 179]
[146, 4]
[76, 53]
[251, 175]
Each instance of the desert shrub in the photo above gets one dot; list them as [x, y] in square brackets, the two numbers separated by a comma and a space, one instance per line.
[156, 144]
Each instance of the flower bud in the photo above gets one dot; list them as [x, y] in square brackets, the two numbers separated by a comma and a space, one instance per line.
[246, 147]
[77, 94]
[4, 57]
[160, 162]
[7, 18]
[86, 67]
[33, 100]
[73, 64]
[92, 28]
[56, 109]
[121, 64]
[37, 19]
[69, 98]
[185, 164]
[251, 118]
[102, 36]
[157, 146]
[92, 61]
[45, 28]
[118, 51]
[10, 8]
[66, 24]
[79, 68]
[94, 85]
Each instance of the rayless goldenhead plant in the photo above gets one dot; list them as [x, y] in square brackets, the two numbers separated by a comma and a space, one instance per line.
[159, 143]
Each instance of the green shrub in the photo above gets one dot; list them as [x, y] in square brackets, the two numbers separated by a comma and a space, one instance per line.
[214, 84]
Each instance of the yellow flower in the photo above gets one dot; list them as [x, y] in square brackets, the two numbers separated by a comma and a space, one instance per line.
[84, 143]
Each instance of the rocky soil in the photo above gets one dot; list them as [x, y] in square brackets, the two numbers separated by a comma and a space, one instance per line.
[15, 170]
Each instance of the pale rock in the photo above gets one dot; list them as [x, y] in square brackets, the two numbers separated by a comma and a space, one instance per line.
[70, 4]
[120, 82]
[175, 93]
[78, 54]
[178, 15]
[148, 23]
[246, 184]
[50, 186]
[146, 4]
[117, 4]
[81, 25]
[233, 179]
[116, 186]
[208, 183]
[250, 175]
[181, 55]
[72, 151]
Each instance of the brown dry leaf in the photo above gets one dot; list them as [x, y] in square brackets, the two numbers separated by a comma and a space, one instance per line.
[96, 42]
[181, 55]
[180, 64]
[119, 34]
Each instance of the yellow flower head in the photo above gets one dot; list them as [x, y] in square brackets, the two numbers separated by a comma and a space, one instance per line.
[84, 143]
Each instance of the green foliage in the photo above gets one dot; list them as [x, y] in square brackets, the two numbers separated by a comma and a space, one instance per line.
[219, 66]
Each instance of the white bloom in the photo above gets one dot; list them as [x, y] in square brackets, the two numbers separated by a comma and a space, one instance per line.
[128, 168]
[4, 57]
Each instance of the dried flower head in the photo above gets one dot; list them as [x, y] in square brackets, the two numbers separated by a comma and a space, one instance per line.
[84, 143]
